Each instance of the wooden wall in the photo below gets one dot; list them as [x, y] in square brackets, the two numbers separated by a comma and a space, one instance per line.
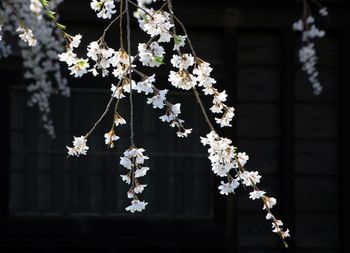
[295, 140]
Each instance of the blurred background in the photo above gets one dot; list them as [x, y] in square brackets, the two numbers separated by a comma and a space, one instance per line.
[296, 140]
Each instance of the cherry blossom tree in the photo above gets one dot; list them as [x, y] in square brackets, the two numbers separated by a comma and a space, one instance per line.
[189, 72]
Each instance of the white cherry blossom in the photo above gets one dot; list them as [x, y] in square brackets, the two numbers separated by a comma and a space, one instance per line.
[182, 62]
[256, 194]
[158, 100]
[151, 56]
[136, 206]
[110, 138]
[27, 36]
[226, 188]
[79, 147]
[157, 24]
[146, 85]
[79, 67]
[104, 8]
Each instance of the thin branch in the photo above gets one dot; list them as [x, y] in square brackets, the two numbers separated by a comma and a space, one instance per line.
[195, 92]
[103, 114]
[112, 22]
[263, 199]
[205, 114]
[128, 35]
[121, 26]
[187, 37]
[141, 8]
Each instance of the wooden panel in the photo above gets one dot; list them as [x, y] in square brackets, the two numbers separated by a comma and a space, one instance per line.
[314, 194]
[263, 154]
[315, 121]
[254, 230]
[258, 84]
[258, 49]
[317, 230]
[316, 157]
[257, 120]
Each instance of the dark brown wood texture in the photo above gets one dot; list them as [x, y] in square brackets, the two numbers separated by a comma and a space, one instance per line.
[295, 140]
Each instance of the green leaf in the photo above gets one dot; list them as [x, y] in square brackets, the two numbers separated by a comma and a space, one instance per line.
[177, 39]
[60, 26]
[159, 59]
[51, 14]
[44, 3]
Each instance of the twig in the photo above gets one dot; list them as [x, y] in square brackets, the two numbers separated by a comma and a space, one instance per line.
[121, 26]
[187, 37]
[195, 92]
[128, 35]
[103, 114]
[112, 22]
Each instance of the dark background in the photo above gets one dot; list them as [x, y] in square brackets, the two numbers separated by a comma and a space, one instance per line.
[50, 204]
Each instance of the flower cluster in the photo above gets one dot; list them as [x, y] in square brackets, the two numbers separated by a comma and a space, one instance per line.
[110, 138]
[202, 74]
[221, 154]
[191, 72]
[27, 36]
[224, 159]
[40, 42]
[77, 66]
[133, 161]
[307, 53]
[102, 56]
[79, 147]
[158, 100]
[157, 23]
[104, 8]
[152, 55]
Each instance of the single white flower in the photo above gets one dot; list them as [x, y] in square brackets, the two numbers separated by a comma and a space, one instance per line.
[139, 188]
[75, 41]
[179, 41]
[104, 8]
[158, 100]
[298, 25]
[126, 178]
[79, 147]
[184, 133]
[226, 188]
[182, 80]
[285, 234]
[119, 120]
[110, 138]
[136, 206]
[69, 57]
[182, 62]
[125, 162]
[79, 67]
[117, 92]
[250, 178]
[141, 172]
[256, 194]
[146, 85]
[323, 11]
[269, 202]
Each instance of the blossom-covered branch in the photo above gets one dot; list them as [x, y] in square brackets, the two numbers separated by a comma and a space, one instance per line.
[190, 72]
[40, 42]
[309, 33]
